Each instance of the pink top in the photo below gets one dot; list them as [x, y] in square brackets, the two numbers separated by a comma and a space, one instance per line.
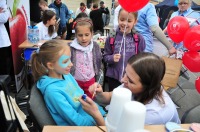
[84, 70]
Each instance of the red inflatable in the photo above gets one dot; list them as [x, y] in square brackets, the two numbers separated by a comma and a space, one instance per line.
[133, 5]
[177, 28]
[197, 84]
[191, 60]
[192, 39]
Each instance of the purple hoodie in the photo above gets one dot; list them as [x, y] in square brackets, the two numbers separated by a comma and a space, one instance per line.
[114, 69]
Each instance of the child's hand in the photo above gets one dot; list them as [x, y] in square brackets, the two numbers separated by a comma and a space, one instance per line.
[89, 106]
[71, 20]
[95, 89]
[116, 57]
[172, 51]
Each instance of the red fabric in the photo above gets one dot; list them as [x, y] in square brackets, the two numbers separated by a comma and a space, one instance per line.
[82, 10]
[85, 86]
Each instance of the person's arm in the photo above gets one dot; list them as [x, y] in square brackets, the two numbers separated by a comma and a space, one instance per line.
[91, 108]
[67, 14]
[156, 30]
[159, 34]
[4, 15]
[102, 98]
[116, 13]
[108, 53]
[77, 12]
[87, 11]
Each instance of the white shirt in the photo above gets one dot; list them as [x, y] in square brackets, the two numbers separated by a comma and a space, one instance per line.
[43, 32]
[115, 22]
[87, 11]
[4, 38]
[157, 113]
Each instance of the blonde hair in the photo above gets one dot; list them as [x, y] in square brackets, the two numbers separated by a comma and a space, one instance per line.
[48, 52]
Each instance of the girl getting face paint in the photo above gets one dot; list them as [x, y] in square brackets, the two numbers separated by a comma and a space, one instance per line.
[64, 61]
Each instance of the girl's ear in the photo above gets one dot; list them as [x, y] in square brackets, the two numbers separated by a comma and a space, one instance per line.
[50, 65]
[135, 22]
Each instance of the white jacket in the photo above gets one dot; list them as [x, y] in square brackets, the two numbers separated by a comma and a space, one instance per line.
[4, 38]
[87, 11]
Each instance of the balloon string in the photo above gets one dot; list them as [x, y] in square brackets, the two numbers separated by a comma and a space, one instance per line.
[124, 34]
[123, 59]
[124, 42]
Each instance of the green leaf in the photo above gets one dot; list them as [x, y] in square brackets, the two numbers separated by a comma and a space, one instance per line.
[15, 5]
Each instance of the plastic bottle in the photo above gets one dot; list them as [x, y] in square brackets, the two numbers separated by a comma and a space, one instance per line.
[30, 34]
[35, 38]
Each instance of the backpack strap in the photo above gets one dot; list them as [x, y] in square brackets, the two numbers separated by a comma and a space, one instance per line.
[136, 40]
[112, 37]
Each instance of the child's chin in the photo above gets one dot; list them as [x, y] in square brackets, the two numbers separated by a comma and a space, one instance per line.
[67, 72]
[123, 31]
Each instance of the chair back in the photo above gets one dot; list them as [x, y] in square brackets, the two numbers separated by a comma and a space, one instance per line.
[192, 115]
[37, 109]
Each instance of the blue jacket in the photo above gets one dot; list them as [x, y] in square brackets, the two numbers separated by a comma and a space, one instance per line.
[61, 98]
[62, 13]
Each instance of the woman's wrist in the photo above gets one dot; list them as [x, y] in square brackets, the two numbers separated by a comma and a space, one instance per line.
[99, 118]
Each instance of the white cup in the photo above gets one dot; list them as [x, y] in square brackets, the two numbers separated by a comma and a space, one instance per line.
[132, 117]
[120, 96]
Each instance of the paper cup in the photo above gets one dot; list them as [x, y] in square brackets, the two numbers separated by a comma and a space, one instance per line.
[120, 96]
[132, 117]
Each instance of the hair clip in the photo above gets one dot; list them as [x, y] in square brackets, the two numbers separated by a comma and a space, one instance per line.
[38, 50]
[74, 24]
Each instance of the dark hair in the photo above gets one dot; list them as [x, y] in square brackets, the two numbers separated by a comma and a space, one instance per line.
[134, 13]
[81, 15]
[48, 15]
[101, 2]
[95, 5]
[151, 70]
[83, 22]
[48, 52]
[82, 4]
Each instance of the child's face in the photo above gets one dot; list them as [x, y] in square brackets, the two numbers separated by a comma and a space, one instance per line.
[52, 21]
[123, 21]
[131, 80]
[63, 64]
[84, 35]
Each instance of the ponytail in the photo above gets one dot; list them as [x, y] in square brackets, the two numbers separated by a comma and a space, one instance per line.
[48, 52]
[38, 69]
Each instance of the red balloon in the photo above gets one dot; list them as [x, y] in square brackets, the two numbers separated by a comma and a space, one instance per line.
[192, 39]
[177, 28]
[197, 84]
[191, 60]
[133, 5]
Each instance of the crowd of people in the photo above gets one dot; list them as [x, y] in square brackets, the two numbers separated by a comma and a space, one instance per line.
[63, 73]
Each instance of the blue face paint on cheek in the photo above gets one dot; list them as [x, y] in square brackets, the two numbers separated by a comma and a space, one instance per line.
[62, 60]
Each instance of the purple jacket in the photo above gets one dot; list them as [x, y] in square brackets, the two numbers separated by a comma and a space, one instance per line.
[114, 69]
